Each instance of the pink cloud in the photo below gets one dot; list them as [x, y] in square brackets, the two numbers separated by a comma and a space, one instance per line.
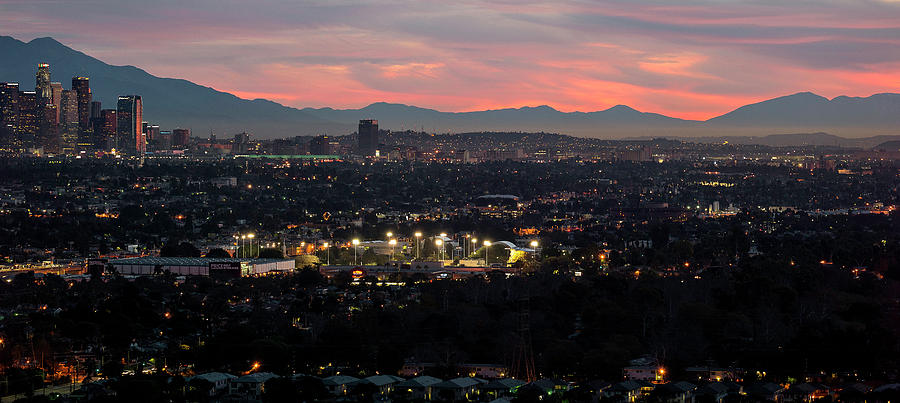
[693, 60]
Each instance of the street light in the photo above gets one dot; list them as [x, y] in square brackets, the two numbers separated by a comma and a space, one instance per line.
[440, 244]
[327, 254]
[487, 247]
[250, 237]
[474, 242]
[243, 249]
[355, 244]
[534, 246]
[418, 235]
[390, 234]
[393, 243]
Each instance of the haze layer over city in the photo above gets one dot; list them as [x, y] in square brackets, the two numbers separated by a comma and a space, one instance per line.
[397, 201]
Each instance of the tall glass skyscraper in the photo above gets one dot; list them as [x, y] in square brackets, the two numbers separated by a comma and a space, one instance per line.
[130, 114]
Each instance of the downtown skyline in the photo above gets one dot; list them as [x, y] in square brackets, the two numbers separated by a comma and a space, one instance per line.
[686, 61]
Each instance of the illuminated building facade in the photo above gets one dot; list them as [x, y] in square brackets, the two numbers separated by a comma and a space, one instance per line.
[129, 114]
[82, 88]
[9, 111]
[42, 82]
[368, 137]
[68, 121]
[29, 121]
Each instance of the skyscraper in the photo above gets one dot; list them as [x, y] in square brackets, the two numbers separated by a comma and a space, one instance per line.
[56, 98]
[82, 88]
[108, 125]
[130, 114]
[42, 82]
[29, 122]
[9, 112]
[68, 121]
[368, 137]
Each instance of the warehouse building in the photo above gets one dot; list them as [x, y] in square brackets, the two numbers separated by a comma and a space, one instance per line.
[199, 266]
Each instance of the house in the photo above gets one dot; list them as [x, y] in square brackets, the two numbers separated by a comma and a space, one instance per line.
[626, 391]
[218, 381]
[649, 373]
[674, 392]
[418, 388]
[501, 387]
[457, 389]
[766, 392]
[384, 383]
[714, 392]
[249, 388]
[551, 385]
[598, 389]
[806, 392]
[709, 373]
[339, 385]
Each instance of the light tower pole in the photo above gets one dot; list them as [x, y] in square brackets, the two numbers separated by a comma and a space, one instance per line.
[418, 235]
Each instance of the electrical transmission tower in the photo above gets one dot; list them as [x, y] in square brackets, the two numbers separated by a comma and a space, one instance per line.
[523, 363]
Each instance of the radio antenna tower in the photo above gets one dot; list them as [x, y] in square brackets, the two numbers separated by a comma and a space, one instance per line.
[523, 363]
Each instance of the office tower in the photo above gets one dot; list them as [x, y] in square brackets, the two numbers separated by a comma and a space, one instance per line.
[96, 107]
[29, 122]
[48, 134]
[68, 121]
[42, 82]
[368, 137]
[9, 111]
[109, 124]
[82, 88]
[151, 136]
[129, 114]
[181, 138]
[165, 140]
[56, 98]
[320, 145]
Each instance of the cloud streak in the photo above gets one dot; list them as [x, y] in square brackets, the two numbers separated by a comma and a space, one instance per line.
[694, 60]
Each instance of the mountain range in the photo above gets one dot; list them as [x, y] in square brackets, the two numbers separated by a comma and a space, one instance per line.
[174, 103]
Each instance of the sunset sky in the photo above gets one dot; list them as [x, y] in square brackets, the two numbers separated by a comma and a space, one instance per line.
[690, 59]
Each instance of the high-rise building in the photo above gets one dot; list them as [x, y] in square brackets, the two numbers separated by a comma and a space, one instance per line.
[165, 140]
[42, 82]
[181, 138]
[82, 88]
[68, 121]
[108, 124]
[130, 114]
[320, 145]
[151, 136]
[368, 137]
[48, 134]
[9, 112]
[29, 122]
[56, 98]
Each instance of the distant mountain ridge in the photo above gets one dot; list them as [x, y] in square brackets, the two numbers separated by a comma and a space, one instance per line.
[180, 103]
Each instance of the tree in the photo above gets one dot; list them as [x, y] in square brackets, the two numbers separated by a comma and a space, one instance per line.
[270, 253]
[181, 249]
[218, 253]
